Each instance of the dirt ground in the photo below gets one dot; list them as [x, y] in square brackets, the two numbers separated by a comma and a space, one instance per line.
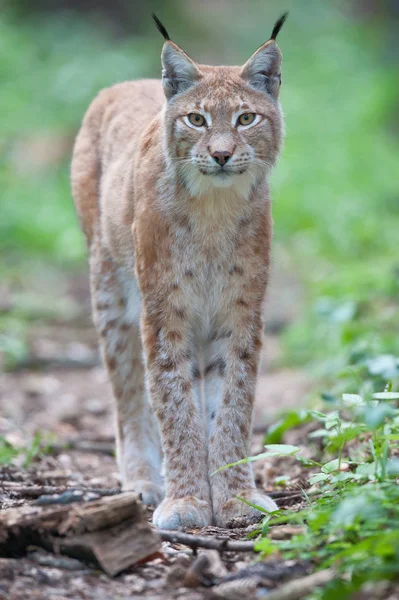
[61, 391]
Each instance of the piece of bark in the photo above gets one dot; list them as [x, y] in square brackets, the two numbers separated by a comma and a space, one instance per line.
[112, 532]
[113, 549]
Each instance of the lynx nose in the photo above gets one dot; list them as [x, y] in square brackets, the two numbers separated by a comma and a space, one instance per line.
[222, 156]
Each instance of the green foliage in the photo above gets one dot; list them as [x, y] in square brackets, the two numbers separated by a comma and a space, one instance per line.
[7, 452]
[271, 451]
[333, 189]
[352, 515]
[290, 420]
[48, 81]
[10, 453]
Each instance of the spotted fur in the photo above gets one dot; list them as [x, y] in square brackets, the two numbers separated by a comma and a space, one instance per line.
[179, 243]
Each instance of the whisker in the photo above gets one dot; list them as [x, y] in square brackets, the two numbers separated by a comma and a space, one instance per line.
[181, 160]
[263, 162]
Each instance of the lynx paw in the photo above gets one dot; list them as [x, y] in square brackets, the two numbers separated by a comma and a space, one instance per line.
[151, 493]
[185, 512]
[234, 512]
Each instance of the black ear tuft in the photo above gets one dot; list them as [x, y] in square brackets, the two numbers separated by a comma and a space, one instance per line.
[161, 28]
[278, 25]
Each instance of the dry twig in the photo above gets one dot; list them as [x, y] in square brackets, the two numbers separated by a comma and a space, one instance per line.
[35, 491]
[196, 541]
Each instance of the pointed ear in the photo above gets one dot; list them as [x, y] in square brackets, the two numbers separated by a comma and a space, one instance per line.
[263, 69]
[179, 72]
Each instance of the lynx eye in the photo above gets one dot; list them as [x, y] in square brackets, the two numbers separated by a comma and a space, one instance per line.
[246, 119]
[196, 119]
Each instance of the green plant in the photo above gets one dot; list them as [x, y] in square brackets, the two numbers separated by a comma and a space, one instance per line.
[351, 515]
[24, 454]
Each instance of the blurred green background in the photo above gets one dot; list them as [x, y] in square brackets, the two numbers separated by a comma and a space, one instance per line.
[335, 191]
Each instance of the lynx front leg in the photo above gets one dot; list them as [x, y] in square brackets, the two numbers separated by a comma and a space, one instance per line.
[230, 379]
[170, 373]
[116, 302]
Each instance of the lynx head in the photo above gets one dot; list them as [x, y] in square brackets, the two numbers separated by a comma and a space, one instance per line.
[224, 125]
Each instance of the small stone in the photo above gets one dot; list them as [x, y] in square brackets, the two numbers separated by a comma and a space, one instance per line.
[6, 570]
[135, 583]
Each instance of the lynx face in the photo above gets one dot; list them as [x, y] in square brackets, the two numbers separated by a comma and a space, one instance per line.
[223, 124]
[228, 138]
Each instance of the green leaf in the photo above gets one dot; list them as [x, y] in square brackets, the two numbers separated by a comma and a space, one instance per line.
[318, 433]
[281, 449]
[271, 450]
[385, 365]
[392, 467]
[353, 399]
[366, 470]
[319, 416]
[386, 395]
[282, 480]
[266, 546]
[333, 420]
[356, 507]
[341, 477]
[291, 420]
[374, 416]
[327, 397]
[318, 478]
[261, 509]
[7, 451]
[33, 450]
[331, 466]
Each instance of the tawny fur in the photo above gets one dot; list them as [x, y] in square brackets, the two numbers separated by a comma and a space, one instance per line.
[179, 258]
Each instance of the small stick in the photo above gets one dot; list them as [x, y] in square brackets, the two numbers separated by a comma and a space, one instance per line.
[58, 562]
[284, 494]
[34, 491]
[289, 498]
[301, 588]
[35, 363]
[196, 541]
[259, 429]
[101, 447]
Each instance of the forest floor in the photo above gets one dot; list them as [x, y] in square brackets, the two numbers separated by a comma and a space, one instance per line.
[58, 396]
[56, 434]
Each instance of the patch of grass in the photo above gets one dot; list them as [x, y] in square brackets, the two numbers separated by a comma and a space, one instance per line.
[24, 455]
[7, 451]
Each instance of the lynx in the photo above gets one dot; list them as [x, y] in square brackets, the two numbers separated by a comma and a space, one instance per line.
[170, 181]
